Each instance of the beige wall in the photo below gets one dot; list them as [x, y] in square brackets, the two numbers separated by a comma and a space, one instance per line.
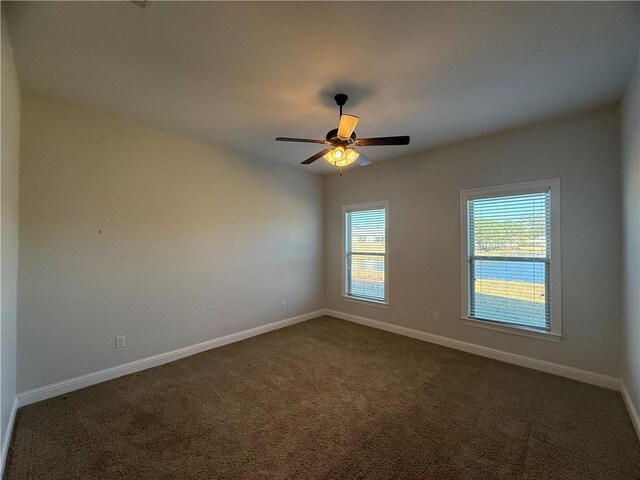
[10, 142]
[424, 224]
[631, 211]
[128, 230]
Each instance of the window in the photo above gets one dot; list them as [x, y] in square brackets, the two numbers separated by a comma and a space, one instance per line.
[511, 256]
[365, 252]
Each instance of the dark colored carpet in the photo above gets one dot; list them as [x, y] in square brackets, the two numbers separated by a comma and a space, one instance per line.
[327, 399]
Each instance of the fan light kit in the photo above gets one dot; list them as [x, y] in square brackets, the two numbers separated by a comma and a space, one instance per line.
[341, 157]
[342, 140]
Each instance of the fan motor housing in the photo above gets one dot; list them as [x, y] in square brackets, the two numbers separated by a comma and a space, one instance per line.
[332, 136]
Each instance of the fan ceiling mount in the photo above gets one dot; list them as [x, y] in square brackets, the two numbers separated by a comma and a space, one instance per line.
[341, 141]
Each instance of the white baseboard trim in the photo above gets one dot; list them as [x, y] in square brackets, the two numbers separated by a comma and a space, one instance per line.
[6, 438]
[631, 408]
[66, 386]
[584, 376]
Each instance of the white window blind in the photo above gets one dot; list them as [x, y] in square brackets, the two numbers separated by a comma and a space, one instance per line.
[509, 259]
[365, 252]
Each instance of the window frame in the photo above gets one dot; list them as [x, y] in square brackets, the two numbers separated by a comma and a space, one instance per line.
[555, 261]
[375, 205]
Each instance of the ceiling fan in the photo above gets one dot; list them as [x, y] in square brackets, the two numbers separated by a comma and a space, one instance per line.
[342, 140]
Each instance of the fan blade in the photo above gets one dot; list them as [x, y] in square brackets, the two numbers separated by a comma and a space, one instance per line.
[301, 140]
[372, 142]
[316, 156]
[363, 161]
[347, 126]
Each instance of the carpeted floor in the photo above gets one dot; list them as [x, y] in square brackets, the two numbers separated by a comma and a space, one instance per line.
[327, 399]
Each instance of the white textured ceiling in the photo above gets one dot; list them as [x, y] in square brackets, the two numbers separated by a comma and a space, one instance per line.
[240, 74]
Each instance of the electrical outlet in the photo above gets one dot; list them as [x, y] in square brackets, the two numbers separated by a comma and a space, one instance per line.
[283, 304]
[436, 317]
[120, 343]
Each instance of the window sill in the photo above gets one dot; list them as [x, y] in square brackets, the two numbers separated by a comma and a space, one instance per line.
[371, 303]
[521, 331]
